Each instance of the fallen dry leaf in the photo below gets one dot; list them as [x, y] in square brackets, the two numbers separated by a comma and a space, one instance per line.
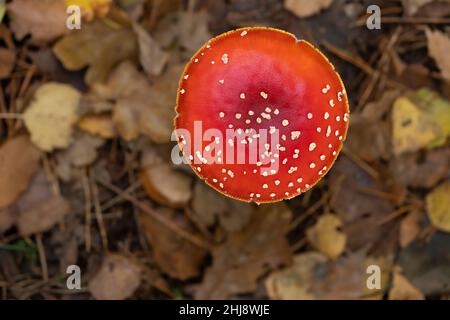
[410, 228]
[7, 61]
[19, 161]
[117, 279]
[153, 59]
[402, 289]
[209, 205]
[421, 170]
[162, 182]
[193, 31]
[369, 132]
[423, 120]
[246, 255]
[313, 276]
[412, 6]
[98, 124]
[326, 237]
[98, 46]
[438, 206]
[38, 209]
[43, 216]
[425, 264]
[176, 256]
[51, 115]
[45, 20]
[306, 8]
[140, 107]
[439, 47]
[356, 208]
[293, 283]
[91, 8]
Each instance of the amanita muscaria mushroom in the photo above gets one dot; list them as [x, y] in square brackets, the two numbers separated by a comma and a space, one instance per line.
[261, 116]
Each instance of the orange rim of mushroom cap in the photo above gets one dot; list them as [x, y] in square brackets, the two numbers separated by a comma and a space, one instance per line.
[252, 81]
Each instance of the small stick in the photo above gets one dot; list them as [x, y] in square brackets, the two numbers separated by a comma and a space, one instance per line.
[161, 219]
[87, 211]
[99, 216]
[42, 257]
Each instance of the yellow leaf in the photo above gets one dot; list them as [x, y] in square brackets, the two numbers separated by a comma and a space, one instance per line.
[438, 206]
[422, 121]
[98, 124]
[91, 8]
[402, 289]
[325, 236]
[306, 8]
[51, 115]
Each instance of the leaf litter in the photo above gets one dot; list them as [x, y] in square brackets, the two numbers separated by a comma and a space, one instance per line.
[85, 144]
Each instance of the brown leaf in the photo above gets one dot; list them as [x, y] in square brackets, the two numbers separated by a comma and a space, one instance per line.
[293, 283]
[410, 228]
[439, 47]
[117, 279]
[19, 161]
[163, 183]
[209, 205]
[98, 46]
[248, 254]
[425, 264]
[193, 29]
[313, 276]
[176, 256]
[152, 57]
[82, 152]
[356, 208]
[45, 20]
[421, 170]
[345, 279]
[140, 107]
[369, 133]
[7, 61]
[306, 8]
[7, 219]
[43, 216]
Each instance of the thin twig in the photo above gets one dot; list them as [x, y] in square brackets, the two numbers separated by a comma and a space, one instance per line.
[42, 257]
[99, 216]
[361, 163]
[87, 211]
[16, 116]
[161, 219]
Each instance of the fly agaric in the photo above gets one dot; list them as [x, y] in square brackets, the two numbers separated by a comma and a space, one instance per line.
[261, 116]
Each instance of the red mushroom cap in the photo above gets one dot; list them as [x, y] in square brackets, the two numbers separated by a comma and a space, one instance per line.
[261, 116]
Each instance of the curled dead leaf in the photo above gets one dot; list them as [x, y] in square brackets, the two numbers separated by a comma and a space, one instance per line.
[326, 237]
[163, 183]
[98, 46]
[117, 279]
[45, 20]
[306, 8]
[19, 161]
[176, 256]
[248, 254]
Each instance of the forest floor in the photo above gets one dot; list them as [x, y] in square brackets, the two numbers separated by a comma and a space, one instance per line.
[86, 177]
